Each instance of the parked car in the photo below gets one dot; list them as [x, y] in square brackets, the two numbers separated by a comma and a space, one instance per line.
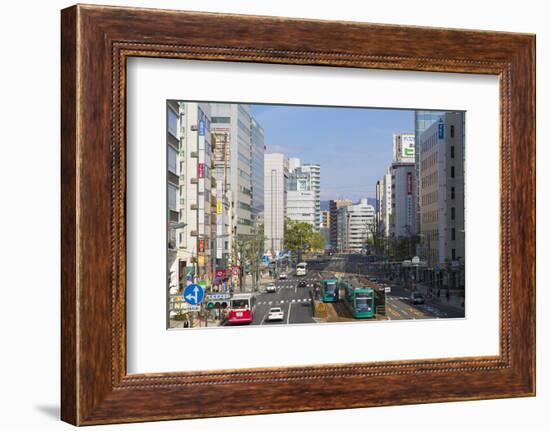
[302, 284]
[275, 314]
[417, 298]
[271, 289]
[282, 276]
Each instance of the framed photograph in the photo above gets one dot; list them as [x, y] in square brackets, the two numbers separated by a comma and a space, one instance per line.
[265, 215]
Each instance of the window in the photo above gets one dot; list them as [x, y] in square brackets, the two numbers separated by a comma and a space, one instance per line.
[172, 122]
[452, 131]
[452, 171]
[172, 160]
[453, 254]
[453, 234]
[452, 213]
[452, 192]
[172, 195]
[452, 151]
[221, 119]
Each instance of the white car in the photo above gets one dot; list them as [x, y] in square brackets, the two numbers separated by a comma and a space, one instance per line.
[275, 313]
[271, 289]
[282, 276]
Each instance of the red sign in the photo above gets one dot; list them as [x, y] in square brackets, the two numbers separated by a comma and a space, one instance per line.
[201, 245]
[200, 170]
[409, 183]
[235, 270]
[221, 273]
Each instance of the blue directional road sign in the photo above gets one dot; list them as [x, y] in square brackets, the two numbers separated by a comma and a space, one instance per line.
[193, 294]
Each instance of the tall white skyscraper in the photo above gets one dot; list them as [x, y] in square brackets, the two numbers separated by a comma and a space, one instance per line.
[315, 171]
[275, 200]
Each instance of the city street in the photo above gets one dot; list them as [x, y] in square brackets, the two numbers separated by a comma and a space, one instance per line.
[294, 301]
[297, 302]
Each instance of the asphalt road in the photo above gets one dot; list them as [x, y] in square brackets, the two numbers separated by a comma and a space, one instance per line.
[294, 301]
[399, 304]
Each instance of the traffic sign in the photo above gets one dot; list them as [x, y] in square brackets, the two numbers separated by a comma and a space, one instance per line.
[221, 273]
[193, 294]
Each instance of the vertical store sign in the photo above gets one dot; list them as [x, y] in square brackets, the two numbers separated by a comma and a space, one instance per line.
[201, 160]
[409, 198]
[219, 223]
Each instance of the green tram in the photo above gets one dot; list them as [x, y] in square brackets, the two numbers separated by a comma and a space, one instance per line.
[329, 289]
[360, 300]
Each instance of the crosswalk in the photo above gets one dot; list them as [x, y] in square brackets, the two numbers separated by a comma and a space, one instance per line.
[296, 281]
[283, 301]
[290, 287]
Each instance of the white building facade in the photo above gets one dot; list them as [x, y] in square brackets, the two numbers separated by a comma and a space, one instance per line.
[231, 123]
[276, 175]
[315, 177]
[356, 224]
[442, 191]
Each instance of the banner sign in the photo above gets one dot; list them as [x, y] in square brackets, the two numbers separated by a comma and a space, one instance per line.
[221, 273]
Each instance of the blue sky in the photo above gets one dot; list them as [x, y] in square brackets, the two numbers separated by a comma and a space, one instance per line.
[352, 145]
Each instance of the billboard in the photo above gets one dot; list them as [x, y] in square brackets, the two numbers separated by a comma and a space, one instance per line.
[407, 146]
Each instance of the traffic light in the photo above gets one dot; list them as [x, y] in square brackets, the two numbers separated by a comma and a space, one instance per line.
[217, 304]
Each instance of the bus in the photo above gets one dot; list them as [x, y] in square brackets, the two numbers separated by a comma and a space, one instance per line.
[360, 300]
[329, 290]
[301, 269]
[241, 309]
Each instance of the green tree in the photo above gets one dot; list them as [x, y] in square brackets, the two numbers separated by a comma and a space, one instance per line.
[298, 237]
[317, 241]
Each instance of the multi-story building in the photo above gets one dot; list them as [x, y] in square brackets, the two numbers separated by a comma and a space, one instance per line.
[257, 151]
[232, 124]
[442, 191]
[276, 176]
[422, 120]
[189, 193]
[301, 206]
[315, 177]
[172, 193]
[402, 218]
[334, 205]
[355, 226]
[384, 204]
[301, 197]
[325, 227]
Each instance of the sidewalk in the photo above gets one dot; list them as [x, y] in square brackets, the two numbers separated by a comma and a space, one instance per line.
[454, 300]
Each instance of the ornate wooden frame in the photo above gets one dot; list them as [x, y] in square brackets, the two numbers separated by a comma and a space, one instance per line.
[95, 42]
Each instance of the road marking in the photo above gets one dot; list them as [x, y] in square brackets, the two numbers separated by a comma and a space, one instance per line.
[288, 317]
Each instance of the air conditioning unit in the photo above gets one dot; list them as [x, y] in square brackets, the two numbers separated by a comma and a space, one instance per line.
[194, 128]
